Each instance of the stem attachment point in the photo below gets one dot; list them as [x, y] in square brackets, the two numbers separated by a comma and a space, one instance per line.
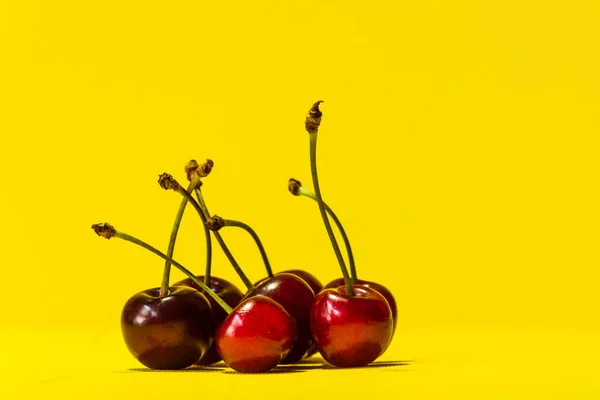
[215, 223]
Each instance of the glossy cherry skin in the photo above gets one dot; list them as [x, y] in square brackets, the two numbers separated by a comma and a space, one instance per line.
[380, 288]
[309, 278]
[351, 331]
[228, 292]
[169, 332]
[296, 297]
[312, 280]
[256, 336]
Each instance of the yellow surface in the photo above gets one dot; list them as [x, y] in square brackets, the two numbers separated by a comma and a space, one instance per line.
[459, 146]
[419, 365]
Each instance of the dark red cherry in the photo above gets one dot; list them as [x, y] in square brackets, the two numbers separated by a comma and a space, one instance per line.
[309, 278]
[312, 280]
[169, 332]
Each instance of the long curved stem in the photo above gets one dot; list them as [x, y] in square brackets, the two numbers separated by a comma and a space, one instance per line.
[189, 274]
[220, 240]
[315, 178]
[252, 232]
[338, 223]
[171, 248]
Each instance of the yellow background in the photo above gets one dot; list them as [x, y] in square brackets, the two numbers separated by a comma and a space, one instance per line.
[459, 146]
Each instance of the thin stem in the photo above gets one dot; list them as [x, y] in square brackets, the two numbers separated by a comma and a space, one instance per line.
[338, 223]
[206, 230]
[263, 253]
[315, 178]
[189, 274]
[202, 203]
[226, 250]
[170, 250]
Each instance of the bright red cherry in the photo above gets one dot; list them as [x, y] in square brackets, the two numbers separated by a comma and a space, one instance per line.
[256, 336]
[296, 297]
[351, 331]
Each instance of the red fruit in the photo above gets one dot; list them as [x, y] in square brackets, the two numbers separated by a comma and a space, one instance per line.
[351, 331]
[256, 336]
[228, 292]
[169, 332]
[296, 297]
[380, 288]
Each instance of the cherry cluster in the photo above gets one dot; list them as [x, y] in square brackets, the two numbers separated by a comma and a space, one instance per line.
[281, 319]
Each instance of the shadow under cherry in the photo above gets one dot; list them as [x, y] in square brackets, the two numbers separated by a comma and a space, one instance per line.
[309, 364]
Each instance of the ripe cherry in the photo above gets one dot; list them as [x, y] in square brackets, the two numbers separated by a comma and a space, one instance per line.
[296, 297]
[256, 336]
[351, 331]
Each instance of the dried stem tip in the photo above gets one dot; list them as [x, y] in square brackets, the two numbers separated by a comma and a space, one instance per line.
[190, 168]
[104, 230]
[202, 170]
[167, 182]
[294, 186]
[313, 118]
[215, 223]
[205, 168]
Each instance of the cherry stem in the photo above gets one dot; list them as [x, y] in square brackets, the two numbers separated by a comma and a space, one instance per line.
[201, 202]
[226, 250]
[170, 250]
[101, 230]
[338, 223]
[252, 232]
[206, 216]
[312, 125]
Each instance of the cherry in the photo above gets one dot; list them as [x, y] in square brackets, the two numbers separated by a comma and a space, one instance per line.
[171, 331]
[351, 325]
[226, 291]
[166, 329]
[314, 284]
[296, 297]
[289, 290]
[256, 336]
[295, 188]
[351, 331]
[373, 285]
